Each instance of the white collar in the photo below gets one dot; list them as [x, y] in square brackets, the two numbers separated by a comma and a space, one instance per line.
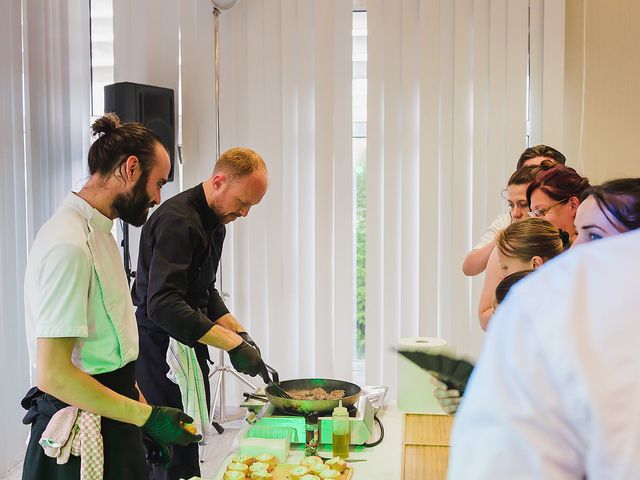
[94, 217]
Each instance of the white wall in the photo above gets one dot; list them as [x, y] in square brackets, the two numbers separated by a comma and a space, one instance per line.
[602, 88]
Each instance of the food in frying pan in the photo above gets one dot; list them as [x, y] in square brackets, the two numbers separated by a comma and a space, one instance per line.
[316, 394]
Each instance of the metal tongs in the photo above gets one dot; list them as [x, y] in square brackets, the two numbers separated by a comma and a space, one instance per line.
[273, 381]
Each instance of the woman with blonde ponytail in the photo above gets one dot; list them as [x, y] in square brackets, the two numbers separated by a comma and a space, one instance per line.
[522, 245]
[528, 244]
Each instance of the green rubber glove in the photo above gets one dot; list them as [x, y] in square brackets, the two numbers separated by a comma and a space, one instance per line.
[165, 426]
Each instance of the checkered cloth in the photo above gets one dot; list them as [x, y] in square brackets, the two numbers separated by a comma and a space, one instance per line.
[72, 431]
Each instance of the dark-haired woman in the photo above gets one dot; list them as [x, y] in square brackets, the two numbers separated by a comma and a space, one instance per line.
[608, 209]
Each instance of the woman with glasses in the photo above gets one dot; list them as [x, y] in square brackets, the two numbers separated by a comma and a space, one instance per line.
[516, 194]
[608, 209]
[555, 196]
[476, 260]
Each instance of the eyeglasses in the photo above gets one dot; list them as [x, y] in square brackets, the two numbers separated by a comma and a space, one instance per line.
[541, 212]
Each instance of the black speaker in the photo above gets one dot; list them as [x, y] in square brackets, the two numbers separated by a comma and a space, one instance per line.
[146, 104]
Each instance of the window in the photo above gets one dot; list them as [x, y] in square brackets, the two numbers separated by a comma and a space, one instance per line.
[101, 52]
[359, 143]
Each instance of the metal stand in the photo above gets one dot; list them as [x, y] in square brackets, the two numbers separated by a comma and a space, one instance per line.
[221, 369]
[217, 398]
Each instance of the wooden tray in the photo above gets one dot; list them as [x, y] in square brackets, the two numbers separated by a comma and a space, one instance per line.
[426, 446]
[281, 472]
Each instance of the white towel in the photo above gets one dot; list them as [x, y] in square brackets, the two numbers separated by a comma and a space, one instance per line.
[185, 371]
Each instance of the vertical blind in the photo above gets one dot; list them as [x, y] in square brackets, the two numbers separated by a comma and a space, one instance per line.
[289, 266]
[13, 239]
[448, 118]
[44, 85]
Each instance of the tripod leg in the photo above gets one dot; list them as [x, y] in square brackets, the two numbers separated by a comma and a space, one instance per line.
[216, 395]
[219, 428]
[244, 380]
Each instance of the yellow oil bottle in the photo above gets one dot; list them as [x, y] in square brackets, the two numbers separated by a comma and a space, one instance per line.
[341, 431]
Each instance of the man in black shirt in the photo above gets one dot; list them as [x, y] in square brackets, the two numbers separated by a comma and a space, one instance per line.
[175, 292]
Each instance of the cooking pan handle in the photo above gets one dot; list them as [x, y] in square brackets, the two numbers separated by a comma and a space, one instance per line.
[274, 374]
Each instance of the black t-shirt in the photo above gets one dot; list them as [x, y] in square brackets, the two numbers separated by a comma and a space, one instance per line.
[180, 250]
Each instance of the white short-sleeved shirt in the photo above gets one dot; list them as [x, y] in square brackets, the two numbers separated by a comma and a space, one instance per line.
[501, 222]
[556, 392]
[75, 286]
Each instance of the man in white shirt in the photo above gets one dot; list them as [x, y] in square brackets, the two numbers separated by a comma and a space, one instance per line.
[556, 392]
[81, 328]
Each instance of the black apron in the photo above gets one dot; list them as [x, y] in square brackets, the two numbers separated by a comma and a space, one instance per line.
[152, 369]
[123, 451]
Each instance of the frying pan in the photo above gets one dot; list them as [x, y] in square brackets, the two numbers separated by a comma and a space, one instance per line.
[301, 407]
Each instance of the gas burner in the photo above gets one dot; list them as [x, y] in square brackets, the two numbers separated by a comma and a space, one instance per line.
[361, 419]
[353, 410]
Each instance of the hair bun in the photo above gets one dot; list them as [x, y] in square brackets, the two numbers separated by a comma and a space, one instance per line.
[547, 164]
[565, 237]
[105, 124]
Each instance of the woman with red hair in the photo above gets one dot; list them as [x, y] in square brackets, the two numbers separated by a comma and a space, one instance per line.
[555, 195]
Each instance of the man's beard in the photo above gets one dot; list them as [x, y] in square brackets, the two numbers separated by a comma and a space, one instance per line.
[133, 207]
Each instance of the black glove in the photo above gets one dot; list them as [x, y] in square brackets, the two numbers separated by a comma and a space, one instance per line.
[246, 359]
[165, 426]
[155, 453]
[245, 336]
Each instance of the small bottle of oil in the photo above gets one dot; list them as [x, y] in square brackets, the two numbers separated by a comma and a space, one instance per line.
[341, 431]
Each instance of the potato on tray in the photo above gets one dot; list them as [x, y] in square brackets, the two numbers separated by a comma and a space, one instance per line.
[337, 463]
[265, 467]
[261, 475]
[257, 466]
[247, 460]
[234, 475]
[330, 474]
[308, 461]
[266, 458]
[298, 472]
